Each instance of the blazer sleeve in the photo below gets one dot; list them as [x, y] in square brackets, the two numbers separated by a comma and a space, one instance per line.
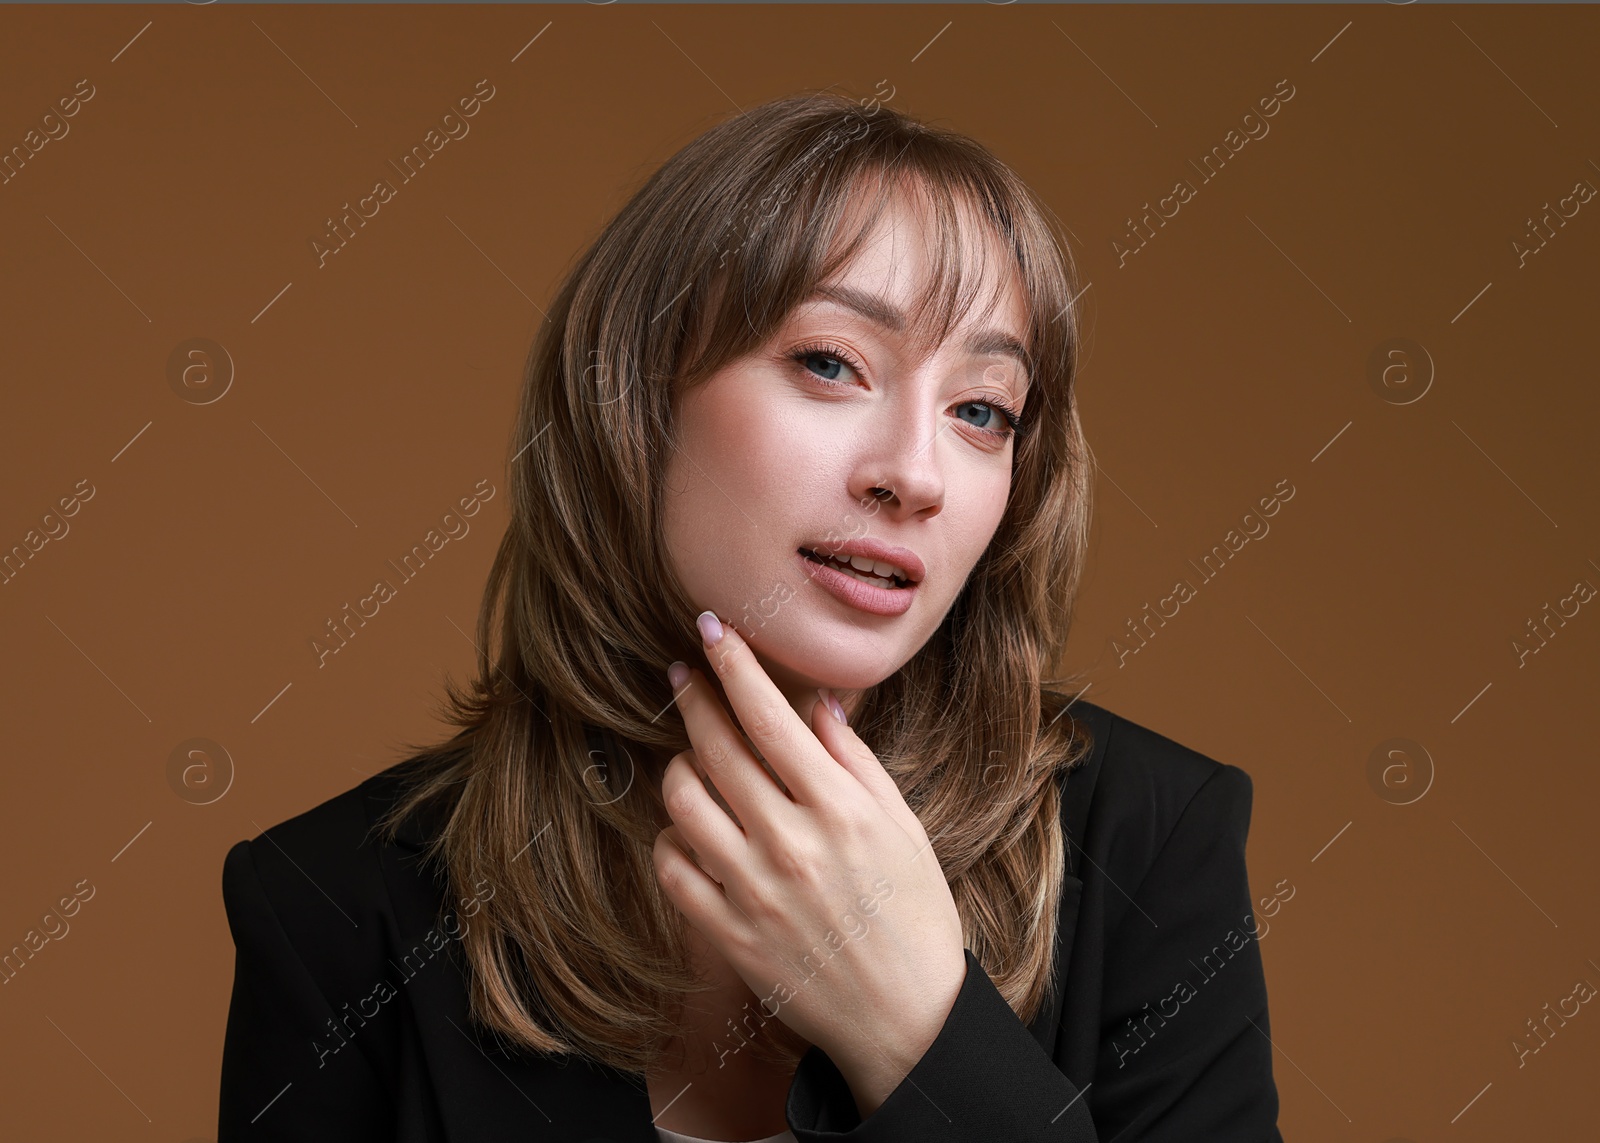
[984, 1077]
[1204, 1073]
[287, 1076]
[1185, 1048]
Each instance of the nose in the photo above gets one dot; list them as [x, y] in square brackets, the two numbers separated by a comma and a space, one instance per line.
[900, 467]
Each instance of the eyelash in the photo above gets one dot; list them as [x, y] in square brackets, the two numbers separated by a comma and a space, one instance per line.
[827, 349]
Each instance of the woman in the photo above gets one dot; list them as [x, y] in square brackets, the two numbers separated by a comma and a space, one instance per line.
[760, 822]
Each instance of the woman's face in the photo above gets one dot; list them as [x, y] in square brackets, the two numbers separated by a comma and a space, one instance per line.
[780, 453]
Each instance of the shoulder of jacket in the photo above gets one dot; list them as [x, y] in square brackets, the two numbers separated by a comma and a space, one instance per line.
[1139, 783]
[320, 876]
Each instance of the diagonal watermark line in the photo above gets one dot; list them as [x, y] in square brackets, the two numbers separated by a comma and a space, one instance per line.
[1507, 475]
[1072, 1101]
[1070, 302]
[1468, 707]
[1296, 666]
[1336, 436]
[271, 1101]
[496, 265]
[671, 1101]
[1124, 491]
[1471, 1101]
[303, 873]
[1468, 306]
[136, 436]
[129, 44]
[96, 265]
[929, 44]
[268, 306]
[532, 839]
[1296, 265]
[134, 838]
[1504, 874]
[1502, 71]
[97, 667]
[700, 69]
[529, 44]
[303, 72]
[306, 474]
[1301, 1070]
[1105, 73]
[99, 1069]
[1329, 44]
[531, 439]
[274, 699]
[1334, 838]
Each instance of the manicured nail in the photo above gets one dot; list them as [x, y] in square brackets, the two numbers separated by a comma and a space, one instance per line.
[678, 675]
[710, 628]
[834, 705]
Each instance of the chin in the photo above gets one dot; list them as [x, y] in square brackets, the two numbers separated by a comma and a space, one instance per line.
[817, 651]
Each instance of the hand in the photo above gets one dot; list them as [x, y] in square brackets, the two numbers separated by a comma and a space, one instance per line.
[827, 899]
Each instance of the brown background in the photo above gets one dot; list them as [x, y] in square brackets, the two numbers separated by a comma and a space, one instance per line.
[372, 394]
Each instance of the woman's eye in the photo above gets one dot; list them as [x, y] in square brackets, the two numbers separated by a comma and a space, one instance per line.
[830, 369]
[825, 362]
[988, 416]
[993, 418]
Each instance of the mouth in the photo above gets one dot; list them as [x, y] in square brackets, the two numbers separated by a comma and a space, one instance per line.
[874, 573]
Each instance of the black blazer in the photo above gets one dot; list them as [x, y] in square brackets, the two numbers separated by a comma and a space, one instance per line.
[348, 1020]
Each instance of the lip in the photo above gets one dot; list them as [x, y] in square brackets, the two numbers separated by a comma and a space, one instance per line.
[862, 596]
[870, 549]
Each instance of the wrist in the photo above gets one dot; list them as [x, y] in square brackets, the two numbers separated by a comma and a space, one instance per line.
[874, 1068]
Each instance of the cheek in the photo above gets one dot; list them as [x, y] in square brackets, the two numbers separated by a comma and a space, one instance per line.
[758, 452]
[975, 503]
[736, 466]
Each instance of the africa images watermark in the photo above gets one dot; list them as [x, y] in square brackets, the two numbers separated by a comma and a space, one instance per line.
[55, 527]
[1582, 992]
[1550, 621]
[53, 926]
[1140, 629]
[1235, 940]
[1539, 233]
[339, 231]
[1139, 234]
[782, 993]
[422, 954]
[53, 125]
[340, 630]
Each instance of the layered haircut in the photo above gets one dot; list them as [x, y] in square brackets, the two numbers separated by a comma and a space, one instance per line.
[550, 788]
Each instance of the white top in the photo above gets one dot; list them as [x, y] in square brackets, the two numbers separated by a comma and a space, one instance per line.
[784, 1136]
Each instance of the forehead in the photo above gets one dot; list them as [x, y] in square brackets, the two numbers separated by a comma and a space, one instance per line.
[897, 265]
[898, 259]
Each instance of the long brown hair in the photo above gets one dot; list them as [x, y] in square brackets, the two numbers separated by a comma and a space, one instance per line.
[578, 949]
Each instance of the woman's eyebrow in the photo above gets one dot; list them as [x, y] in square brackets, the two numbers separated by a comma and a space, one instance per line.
[883, 312]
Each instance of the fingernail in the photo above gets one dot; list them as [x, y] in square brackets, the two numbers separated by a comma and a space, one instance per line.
[678, 675]
[710, 628]
[834, 705]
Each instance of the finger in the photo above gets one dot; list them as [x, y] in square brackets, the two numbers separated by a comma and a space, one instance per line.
[675, 834]
[773, 726]
[687, 886]
[711, 787]
[717, 840]
[740, 777]
[855, 756]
